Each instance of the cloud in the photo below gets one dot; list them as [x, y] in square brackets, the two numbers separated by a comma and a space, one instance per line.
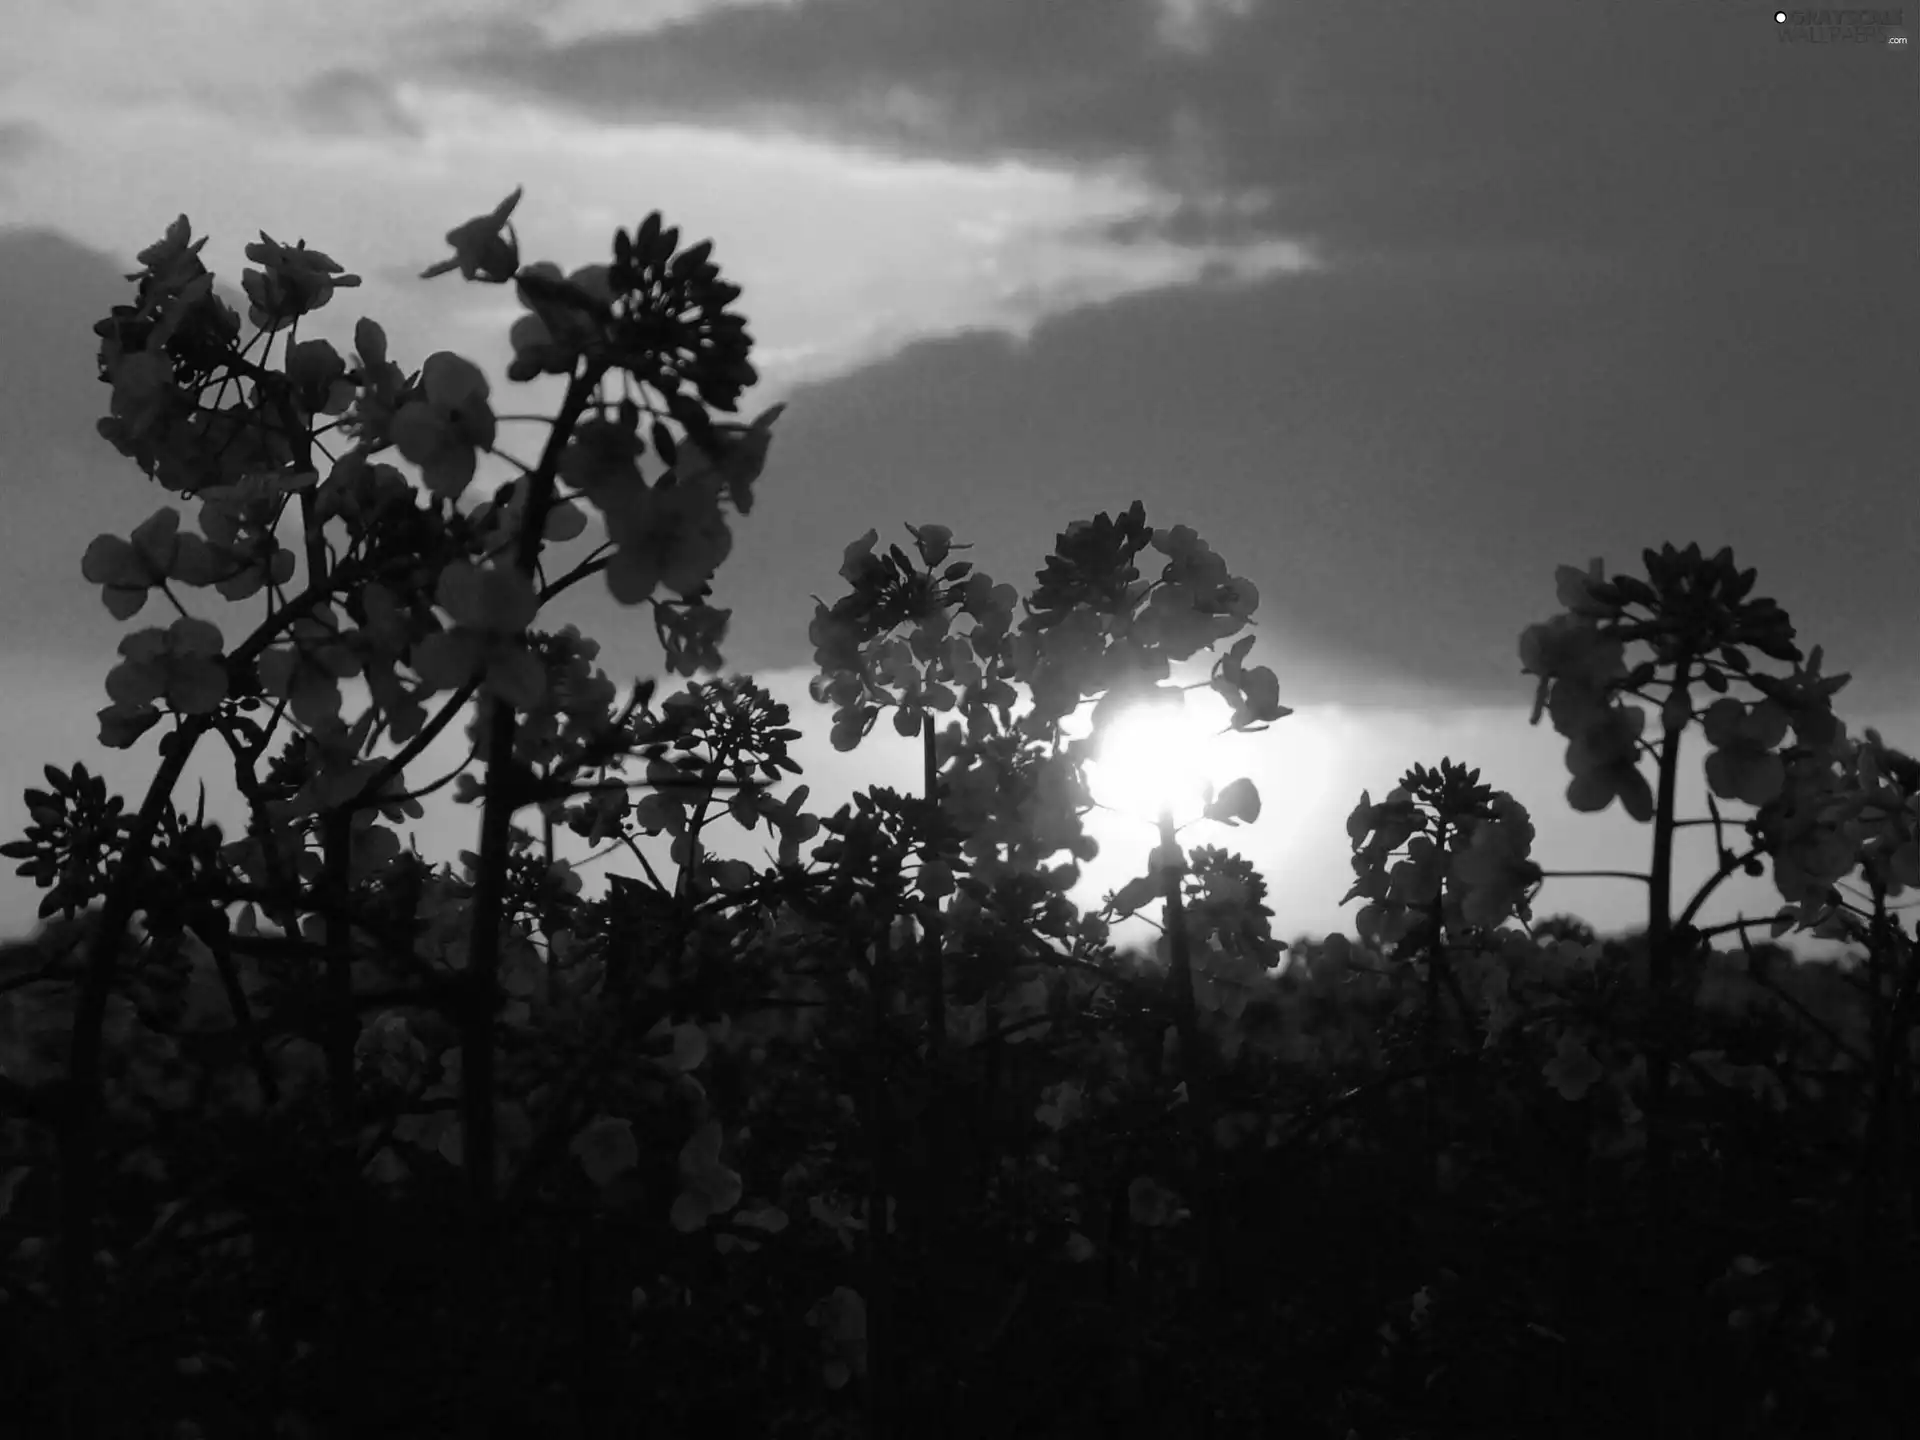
[354, 102]
[871, 252]
[968, 84]
[22, 138]
[52, 290]
[1398, 460]
[64, 484]
[1423, 129]
[1195, 27]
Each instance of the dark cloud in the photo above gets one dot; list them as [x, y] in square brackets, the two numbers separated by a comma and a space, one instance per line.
[63, 483]
[1601, 277]
[352, 102]
[989, 78]
[52, 290]
[1637, 126]
[1397, 457]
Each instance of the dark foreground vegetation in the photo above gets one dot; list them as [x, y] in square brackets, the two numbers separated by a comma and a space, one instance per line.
[1400, 1234]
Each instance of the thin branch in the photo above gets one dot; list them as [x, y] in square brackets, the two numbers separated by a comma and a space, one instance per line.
[1641, 876]
[1704, 893]
[370, 795]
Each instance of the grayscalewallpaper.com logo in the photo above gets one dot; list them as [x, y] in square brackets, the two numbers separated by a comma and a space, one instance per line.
[1879, 26]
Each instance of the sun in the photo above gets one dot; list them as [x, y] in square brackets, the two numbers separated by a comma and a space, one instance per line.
[1161, 755]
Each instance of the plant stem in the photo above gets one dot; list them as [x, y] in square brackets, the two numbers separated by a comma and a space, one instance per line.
[880, 1335]
[935, 1179]
[1888, 1026]
[342, 1033]
[78, 1173]
[1195, 1067]
[1436, 961]
[477, 1080]
[1660, 1050]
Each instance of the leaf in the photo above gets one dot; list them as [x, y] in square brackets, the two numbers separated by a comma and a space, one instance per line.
[197, 563]
[1142, 890]
[1152, 1204]
[689, 1212]
[689, 1047]
[121, 725]
[369, 342]
[445, 659]
[565, 521]
[131, 684]
[480, 252]
[1572, 1070]
[1240, 800]
[770, 1218]
[710, 1187]
[606, 1148]
[9, 1184]
[934, 542]
[517, 677]
[416, 432]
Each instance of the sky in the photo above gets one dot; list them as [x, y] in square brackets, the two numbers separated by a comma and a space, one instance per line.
[1400, 306]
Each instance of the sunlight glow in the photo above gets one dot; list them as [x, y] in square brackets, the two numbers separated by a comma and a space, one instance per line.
[1162, 755]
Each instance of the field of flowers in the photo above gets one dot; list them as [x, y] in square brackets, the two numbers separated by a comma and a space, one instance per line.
[303, 1135]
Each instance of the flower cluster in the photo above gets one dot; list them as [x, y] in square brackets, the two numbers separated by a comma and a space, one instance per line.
[1701, 624]
[865, 666]
[74, 833]
[1841, 806]
[292, 281]
[446, 423]
[1466, 862]
[491, 606]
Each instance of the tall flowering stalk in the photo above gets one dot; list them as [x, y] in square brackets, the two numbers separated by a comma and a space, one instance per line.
[1466, 870]
[1015, 791]
[656, 317]
[1698, 618]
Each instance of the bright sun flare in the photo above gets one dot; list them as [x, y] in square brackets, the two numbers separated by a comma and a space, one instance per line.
[1165, 754]
[1162, 755]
